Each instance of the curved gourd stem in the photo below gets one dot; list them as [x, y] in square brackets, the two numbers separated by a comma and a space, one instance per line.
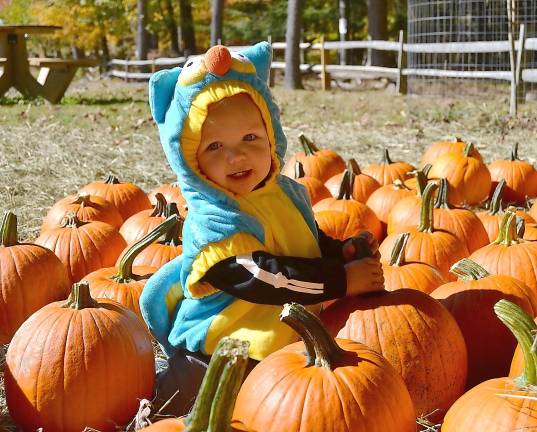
[496, 199]
[111, 179]
[8, 230]
[321, 348]
[124, 273]
[386, 157]
[524, 329]
[299, 170]
[468, 270]
[507, 234]
[307, 145]
[469, 148]
[398, 252]
[160, 206]
[80, 297]
[345, 187]
[71, 220]
[175, 233]
[426, 212]
[514, 152]
[214, 404]
[353, 166]
[443, 194]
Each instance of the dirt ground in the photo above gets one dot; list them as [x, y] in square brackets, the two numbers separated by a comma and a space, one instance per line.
[104, 126]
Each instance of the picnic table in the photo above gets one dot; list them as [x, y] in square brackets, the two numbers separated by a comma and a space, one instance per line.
[55, 74]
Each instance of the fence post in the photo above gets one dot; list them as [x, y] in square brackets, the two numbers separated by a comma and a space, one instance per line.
[153, 67]
[519, 61]
[512, 58]
[127, 70]
[325, 76]
[272, 72]
[401, 86]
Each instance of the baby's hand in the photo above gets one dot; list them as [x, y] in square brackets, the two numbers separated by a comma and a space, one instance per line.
[361, 246]
[364, 275]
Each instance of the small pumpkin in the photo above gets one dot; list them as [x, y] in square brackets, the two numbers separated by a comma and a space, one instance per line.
[440, 148]
[468, 177]
[139, 224]
[315, 187]
[387, 171]
[78, 363]
[86, 207]
[470, 300]
[127, 197]
[31, 276]
[83, 246]
[386, 197]
[505, 404]
[362, 185]
[172, 194]
[325, 385]
[399, 273]
[520, 177]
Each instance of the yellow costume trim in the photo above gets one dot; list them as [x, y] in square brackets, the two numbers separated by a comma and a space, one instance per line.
[213, 253]
[173, 296]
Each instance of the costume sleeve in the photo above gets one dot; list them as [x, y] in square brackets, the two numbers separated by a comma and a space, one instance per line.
[330, 247]
[260, 277]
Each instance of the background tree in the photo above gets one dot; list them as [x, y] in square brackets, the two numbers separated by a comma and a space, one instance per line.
[292, 40]
[217, 21]
[377, 14]
[142, 35]
[171, 25]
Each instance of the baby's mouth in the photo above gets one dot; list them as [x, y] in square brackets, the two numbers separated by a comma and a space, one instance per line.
[240, 174]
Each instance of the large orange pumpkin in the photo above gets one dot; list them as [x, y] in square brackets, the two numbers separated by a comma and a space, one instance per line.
[315, 187]
[337, 224]
[426, 244]
[440, 148]
[399, 273]
[139, 224]
[77, 363]
[468, 177]
[387, 171]
[362, 185]
[470, 300]
[172, 194]
[31, 276]
[398, 325]
[322, 384]
[386, 197]
[83, 246]
[86, 207]
[127, 197]
[519, 175]
[502, 404]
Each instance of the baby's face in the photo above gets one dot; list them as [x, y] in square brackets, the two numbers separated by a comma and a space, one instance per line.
[235, 150]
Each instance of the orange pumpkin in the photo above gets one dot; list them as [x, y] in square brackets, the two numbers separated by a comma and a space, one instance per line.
[426, 244]
[326, 384]
[321, 164]
[127, 197]
[83, 246]
[86, 207]
[78, 363]
[517, 363]
[172, 194]
[470, 300]
[399, 273]
[386, 197]
[440, 148]
[469, 178]
[415, 181]
[139, 224]
[31, 276]
[435, 378]
[387, 171]
[519, 175]
[337, 224]
[509, 255]
[315, 187]
[362, 185]
[125, 283]
[502, 404]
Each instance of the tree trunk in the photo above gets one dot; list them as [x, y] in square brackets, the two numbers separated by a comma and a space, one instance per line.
[377, 16]
[293, 79]
[187, 28]
[343, 28]
[142, 35]
[217, 21]
[171, 24]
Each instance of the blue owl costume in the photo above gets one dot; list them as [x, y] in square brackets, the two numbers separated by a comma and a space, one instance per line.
[182, 311]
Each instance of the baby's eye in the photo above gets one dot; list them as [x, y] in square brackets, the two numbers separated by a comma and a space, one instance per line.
[213, 146]
[249, 137]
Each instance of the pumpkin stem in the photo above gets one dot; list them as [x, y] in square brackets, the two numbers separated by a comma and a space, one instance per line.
[8, 230]
[421, 178]
[70, 220]
[468, 270]
[426, 212]
[160, 206]
[468, 148]
[458, 139]
[514, 152]
[386, 157]
[80, 297]
[220, 386]
[353, 166]
[174, 234]
[309, 147]
[398, 184]
[82, 199]
[124, 273]
[523, 328]
[520, 227]
[299, 170]
[111, 179]
[507, 234]
[398, 252]
[442, 197]
[345, 187]
[496, 199]
[321, 348]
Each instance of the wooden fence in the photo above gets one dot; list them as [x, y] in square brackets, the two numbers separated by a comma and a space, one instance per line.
[398, 74]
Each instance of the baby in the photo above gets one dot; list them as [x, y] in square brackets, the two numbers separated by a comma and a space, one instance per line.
[250, 242]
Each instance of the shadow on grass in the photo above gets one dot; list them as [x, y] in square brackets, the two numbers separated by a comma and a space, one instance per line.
[70, 100]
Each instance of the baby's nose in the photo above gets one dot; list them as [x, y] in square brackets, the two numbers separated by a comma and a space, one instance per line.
[218, 60]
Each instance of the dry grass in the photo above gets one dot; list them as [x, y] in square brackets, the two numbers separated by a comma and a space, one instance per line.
[105, 127]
